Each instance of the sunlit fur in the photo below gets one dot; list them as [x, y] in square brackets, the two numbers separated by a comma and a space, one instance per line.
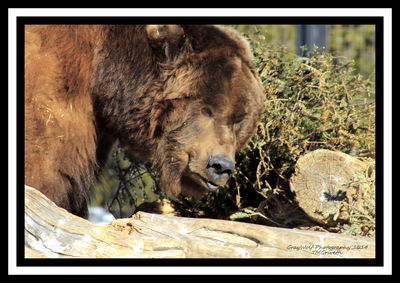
[86, 86]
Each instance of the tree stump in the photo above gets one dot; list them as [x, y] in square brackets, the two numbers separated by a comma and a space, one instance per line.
[329, 185]
[51, 231]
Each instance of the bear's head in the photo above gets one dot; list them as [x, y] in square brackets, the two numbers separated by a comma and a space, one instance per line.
[207, 104]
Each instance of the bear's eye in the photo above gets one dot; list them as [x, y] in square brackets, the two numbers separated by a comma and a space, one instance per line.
[206, 112]
[236, 119]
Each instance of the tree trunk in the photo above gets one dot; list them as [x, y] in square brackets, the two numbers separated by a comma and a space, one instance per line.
[51, 231]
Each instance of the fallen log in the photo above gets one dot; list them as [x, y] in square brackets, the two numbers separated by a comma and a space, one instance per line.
[51, 231]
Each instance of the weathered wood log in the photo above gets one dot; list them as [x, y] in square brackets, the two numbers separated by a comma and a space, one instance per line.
[51, 231]
[329, 184]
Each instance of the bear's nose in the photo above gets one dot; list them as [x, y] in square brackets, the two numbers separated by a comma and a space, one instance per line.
[220, 167]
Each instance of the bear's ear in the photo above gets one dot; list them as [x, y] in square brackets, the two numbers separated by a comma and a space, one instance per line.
[165, 39]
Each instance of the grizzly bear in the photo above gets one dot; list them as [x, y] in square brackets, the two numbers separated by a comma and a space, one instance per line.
[184, 97]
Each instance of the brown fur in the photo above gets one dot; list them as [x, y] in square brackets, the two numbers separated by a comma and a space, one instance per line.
[174, 95]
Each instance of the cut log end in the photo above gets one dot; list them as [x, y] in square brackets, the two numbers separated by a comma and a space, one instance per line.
[328, 184]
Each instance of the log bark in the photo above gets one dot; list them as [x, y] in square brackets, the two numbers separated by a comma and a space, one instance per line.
[51, 231]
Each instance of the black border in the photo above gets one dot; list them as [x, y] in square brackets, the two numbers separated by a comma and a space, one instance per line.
[377, 21]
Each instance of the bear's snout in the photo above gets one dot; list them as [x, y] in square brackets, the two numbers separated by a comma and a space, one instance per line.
[220, 168]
